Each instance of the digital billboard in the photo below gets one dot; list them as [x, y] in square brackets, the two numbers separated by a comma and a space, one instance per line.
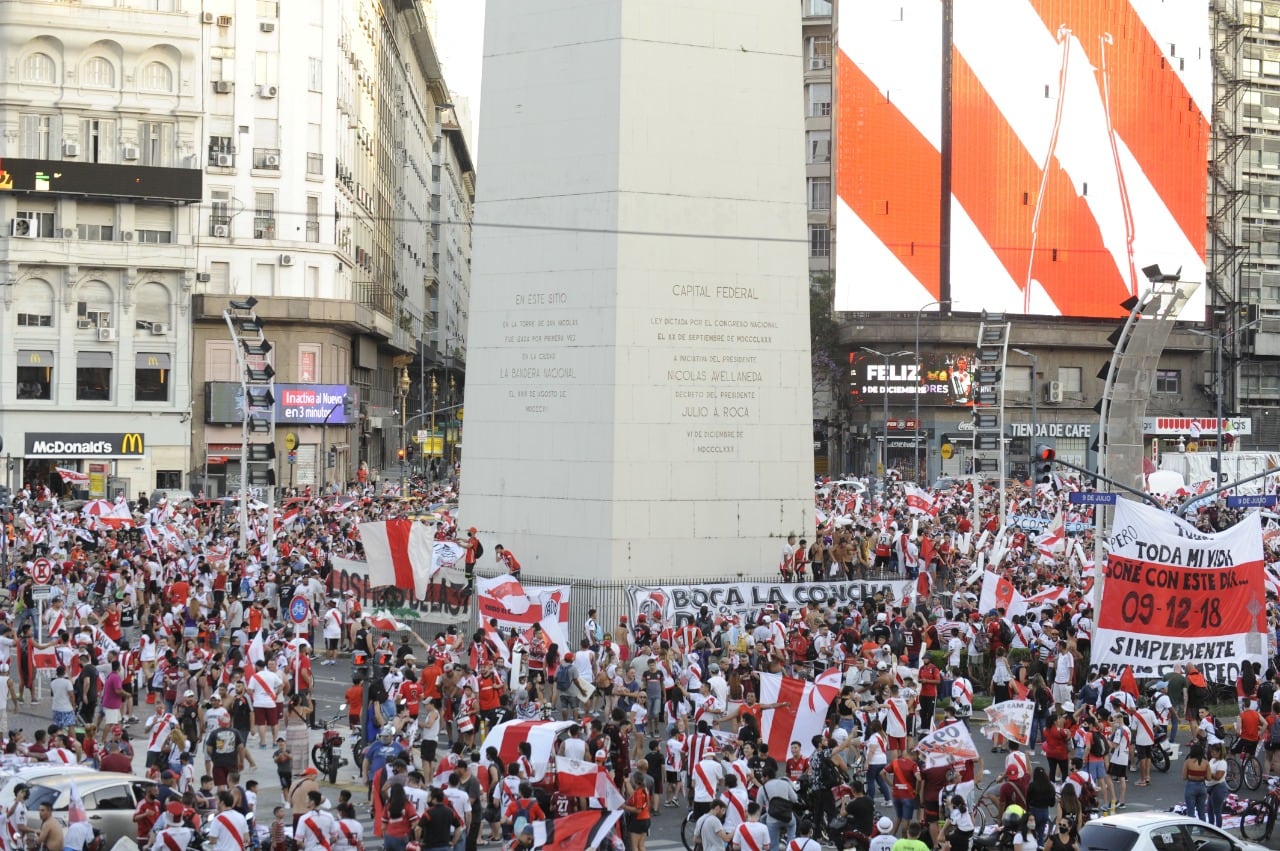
[100, 180]
[296, 404]
[937, 378]
[1078, 147]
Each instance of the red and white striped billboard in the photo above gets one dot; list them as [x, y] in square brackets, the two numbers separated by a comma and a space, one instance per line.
[1079, 146]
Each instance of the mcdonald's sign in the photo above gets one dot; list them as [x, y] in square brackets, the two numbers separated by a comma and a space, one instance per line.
[129, 444]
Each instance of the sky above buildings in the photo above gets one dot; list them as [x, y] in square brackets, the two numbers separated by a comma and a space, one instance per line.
[460, 42]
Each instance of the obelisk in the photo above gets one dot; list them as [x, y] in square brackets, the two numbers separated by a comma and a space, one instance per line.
[638, 394]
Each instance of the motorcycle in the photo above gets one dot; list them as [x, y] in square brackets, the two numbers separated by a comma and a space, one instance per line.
[1160, 756]
[326, 756]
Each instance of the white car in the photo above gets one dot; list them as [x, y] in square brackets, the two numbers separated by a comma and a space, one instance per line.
[1158, 831]
[31, 774]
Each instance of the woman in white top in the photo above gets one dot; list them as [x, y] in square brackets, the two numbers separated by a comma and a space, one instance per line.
[877, 748]
[959, 824]
[1215, 782]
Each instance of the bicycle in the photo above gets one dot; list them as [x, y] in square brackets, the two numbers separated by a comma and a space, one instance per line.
[1259, 817]
[986, 806]
[1242, 768]
[687, 826]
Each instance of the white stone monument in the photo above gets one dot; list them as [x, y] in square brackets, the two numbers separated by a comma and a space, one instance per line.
[638, 400]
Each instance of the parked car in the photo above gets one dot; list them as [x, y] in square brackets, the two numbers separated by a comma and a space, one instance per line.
[32, 774]
[173, 495]
[110, 798]
[1158, 831]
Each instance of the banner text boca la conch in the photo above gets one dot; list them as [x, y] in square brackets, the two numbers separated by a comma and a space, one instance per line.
[1175, 595]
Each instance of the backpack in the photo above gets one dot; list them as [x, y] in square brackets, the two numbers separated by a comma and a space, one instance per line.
[1088, 695]
[479, 549]
[1098, 744]
[981, 641]
[824, 769]
[1273, 733]
[1006, 634]
[564, 677]
[1219, 730]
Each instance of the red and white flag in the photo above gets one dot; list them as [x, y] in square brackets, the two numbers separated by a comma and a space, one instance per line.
[1054, 539]
[999, 593]
[506, 600]
[919, 501]
[399, 554]
[805, 713]
[72, 477]
[576, 777]
[384, 620]
[541, 736]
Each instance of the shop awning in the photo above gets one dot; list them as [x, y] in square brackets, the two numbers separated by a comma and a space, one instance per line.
[151, 360]
[35, 357]
[93, 360]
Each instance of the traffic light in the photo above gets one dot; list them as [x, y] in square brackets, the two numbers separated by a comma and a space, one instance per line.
[348, 406]
[408, 452]
[1044, 464]
[333, 457]
[400, 454]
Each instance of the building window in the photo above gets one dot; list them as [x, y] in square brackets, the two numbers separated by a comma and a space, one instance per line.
[99, 73]
[222, 151]
[819, 193]
[168, 480]
[315, 164]
[313, 218]
[819, 240]
[819, 99]
[315, 74]
[268, 9]
[819, 8]
[264, 215]
[155, 141]
[1069, 379]
[35, 320]
[99, 138]
[819, 146]
[95, 233]
[220, 212]
[38, 68]
[1168, 381]
[37, 131]
[151, 377]
[156, 77]
[35, 374]
[93, 376]
[309, 363]
[42, 221]
[818, 51]
[1017, 379]
[155, 237]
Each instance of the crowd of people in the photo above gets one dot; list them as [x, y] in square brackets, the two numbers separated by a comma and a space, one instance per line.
[168, 620]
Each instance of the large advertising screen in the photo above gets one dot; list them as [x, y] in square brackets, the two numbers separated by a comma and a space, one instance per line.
[937, 378]
[1079, 142]
[296, 404]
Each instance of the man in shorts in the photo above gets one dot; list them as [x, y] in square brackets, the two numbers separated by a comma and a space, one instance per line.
[224, 752]
[264, 688]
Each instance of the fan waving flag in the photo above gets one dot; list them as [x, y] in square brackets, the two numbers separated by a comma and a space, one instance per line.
[1054, 539]
[575, 777]
[399, 554]
[1011, 719]
[75, 808]
[805, 711]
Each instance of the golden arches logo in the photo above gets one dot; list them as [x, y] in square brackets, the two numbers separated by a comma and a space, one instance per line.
[35, 357]
[131, 444]
[152, 360]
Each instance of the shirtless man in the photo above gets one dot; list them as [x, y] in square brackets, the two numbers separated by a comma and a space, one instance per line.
[50, 833]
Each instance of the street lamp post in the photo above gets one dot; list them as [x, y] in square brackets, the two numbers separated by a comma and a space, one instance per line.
[919, 312]
[1218, 388]
[884, 441]
[435, 386]
[405, 381]
[1035, 386]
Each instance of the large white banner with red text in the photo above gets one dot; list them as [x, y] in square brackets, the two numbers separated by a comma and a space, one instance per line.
[1173, 594]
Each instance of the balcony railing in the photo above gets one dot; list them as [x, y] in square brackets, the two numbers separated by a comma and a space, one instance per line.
[264, 227]
[267, 158]
[376, 296]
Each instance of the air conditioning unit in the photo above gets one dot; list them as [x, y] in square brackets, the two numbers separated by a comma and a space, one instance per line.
[267, 27]
[268, 91]
[129, 152]
[25, 227]
[86, 324]
[286, 259]
[159, 329]
[225, 160]
[68, 233]
[224, 20]
[203, 277]
[223, 87]
[271, 161]
[106, 335]
[207, 17]
[71, 149]
[127, 236]
[1053, 391]
[222, 230]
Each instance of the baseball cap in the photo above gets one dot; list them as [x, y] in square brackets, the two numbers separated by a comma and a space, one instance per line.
[174, 808]
[189, 694]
